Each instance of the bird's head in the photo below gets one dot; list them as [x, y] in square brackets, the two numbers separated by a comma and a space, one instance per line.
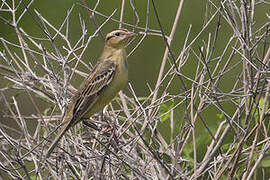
[118, 38]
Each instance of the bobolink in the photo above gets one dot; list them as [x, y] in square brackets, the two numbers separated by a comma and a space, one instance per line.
[108, 77]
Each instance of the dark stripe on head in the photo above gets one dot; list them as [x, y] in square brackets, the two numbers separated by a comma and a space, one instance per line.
[107, 39]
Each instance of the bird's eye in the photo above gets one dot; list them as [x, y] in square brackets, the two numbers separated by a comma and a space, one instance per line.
[117, 34]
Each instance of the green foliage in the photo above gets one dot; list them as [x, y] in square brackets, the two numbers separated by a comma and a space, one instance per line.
[266, 162]
[220, 116]
[34, 177]
[165, 109]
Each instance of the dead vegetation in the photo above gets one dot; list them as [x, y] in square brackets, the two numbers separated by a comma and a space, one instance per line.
[141, 137]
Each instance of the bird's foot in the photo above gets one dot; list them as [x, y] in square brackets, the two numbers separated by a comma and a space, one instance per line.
[109, 131]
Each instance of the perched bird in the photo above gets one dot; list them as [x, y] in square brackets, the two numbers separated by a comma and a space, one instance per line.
[108, 77]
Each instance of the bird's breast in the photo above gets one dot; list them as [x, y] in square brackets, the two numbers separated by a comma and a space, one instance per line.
[118, 82]
[121, 75]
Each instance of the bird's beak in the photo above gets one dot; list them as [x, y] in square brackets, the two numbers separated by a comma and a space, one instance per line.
[129, 35]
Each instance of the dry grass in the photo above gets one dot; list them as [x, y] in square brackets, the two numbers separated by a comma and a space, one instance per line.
[136, 146]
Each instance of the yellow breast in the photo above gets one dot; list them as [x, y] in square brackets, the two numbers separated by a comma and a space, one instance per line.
[118, 82]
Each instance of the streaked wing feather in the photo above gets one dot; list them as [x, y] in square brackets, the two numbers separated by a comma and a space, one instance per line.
[91, 88]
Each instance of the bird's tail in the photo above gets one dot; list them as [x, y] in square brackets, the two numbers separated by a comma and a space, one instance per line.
[59, 135]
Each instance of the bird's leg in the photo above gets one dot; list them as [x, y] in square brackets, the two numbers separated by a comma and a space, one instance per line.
[90, 124]
[107, 127]
[108, 122]
[110, 129]
[110, 125]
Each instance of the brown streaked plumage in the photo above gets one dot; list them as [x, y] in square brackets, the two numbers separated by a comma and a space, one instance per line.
[108, 77]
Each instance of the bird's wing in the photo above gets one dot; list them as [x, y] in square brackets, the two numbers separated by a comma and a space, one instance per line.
[92, 87]
[86, 96]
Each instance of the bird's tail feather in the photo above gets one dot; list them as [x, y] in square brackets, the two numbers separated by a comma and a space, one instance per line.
[57, 138]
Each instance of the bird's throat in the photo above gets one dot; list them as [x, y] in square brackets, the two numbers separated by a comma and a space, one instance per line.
[114, 54]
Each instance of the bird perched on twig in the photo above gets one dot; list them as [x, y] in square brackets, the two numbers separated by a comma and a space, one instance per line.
[108, 77]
